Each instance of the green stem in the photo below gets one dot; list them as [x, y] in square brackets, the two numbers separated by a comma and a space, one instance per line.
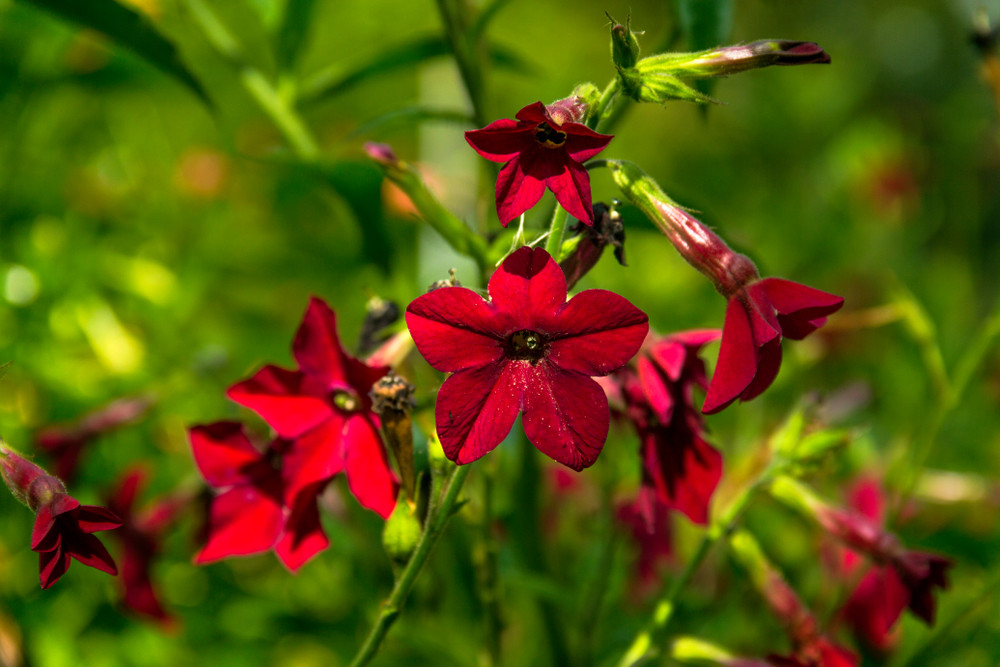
[486, 570]
[437, 518]
[267, 96]
[596, 587]
[557, 228]
[601, 115]
[643, 647]
[464, 51]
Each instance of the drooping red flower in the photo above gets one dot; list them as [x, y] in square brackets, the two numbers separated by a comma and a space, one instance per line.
[679, 467]
[324, 410]
[543, 148]
[66, 442]
[63, 527]
[140, 537]
[525, 350]
[759, 314]
[258, 508]
[899, 578]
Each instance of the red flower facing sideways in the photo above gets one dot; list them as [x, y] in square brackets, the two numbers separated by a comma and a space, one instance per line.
[525, 350]
[63, 527]
[324, 411]
[254, 511]
[759, 314]
[543, 148]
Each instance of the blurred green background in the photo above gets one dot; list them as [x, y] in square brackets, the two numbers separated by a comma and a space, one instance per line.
[150, 241]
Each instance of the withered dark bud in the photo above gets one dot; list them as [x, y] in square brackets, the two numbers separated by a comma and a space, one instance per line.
[451, 281]
[608, 230]
[379, 313]
[392, 401]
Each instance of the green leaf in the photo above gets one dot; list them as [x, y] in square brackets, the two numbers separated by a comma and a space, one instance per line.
[129, 29]
[360, 186]
[335, 80]
[294, 32]
[706, 24]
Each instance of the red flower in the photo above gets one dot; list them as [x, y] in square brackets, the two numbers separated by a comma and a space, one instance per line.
[525, 350]
[678, 465]
[65, 442]
[911, 577]
[544, 148]
[255, 511]
[140, 536]
[63, 527]
[818, 652]
[323, 409]
[758, 315]
[648, 522]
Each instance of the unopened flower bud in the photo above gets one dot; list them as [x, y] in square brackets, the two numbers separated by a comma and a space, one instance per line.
[590, 242]
[29, 482]
[392, 401]
[698, 245]
[624, 45]
[401, 533]
[733, 59]
[576, 107]
[379, 313]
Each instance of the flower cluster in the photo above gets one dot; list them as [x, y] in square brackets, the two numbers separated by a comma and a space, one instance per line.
[322, 415]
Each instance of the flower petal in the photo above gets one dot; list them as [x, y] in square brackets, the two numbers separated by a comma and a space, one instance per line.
[91, 519]
[737, 364]
[529, 289]
[303, 537]
[655, 390]
[768, 365]
[455, 328]
[534, 113]
[51, 566]
[596, 332]
[582, 143]
[241, 521]
[289, 401]
[517, 190]
[571, 186]
[501, 140]
[565, 413]
[875, 606]
[88, 550]
[682, 467]
[316, 456]
[801, 309]
[45, 534]
[368, 473]
[223, 453]
[476, 409]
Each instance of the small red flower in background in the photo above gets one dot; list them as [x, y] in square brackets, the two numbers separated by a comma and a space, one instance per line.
[63, 527]
[259, 507]
[65, 442]
[544, 148]
[819, 652]
[648, 523]
[759, 314]
[324, 411]
[679, 468]
[899, 577]
[140, 536]
[526, 350]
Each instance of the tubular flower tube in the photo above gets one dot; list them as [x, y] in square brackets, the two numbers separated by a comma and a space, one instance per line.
[526, 350]
[544, 148]
[760, 312]
[63, 527]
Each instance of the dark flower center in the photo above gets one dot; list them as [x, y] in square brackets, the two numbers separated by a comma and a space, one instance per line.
[549, 137]
[347, 401]
[526, 345]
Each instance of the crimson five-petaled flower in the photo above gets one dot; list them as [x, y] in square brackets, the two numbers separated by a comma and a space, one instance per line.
[758, 315]
[526, 350]
[543, 148]
[323, 409]
[63, 527]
